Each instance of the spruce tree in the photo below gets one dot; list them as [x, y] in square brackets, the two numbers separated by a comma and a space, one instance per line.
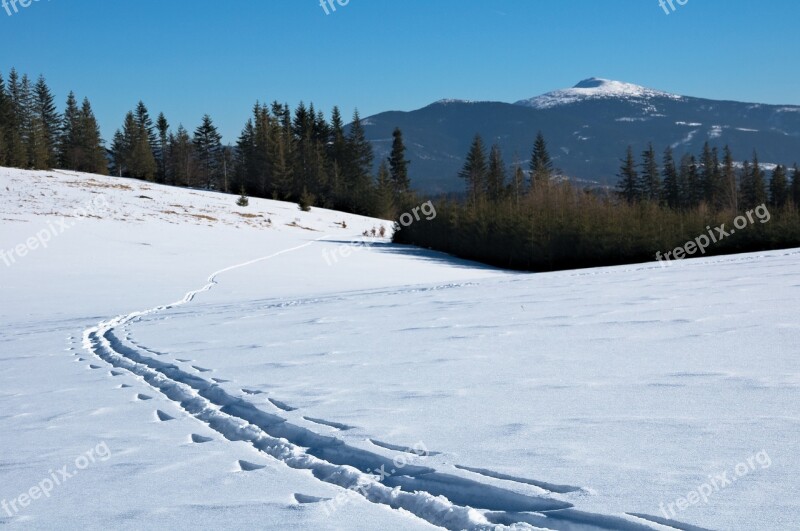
[685, 170]
[146, 123]
[541, 163]
[91, 153]
[4, 121]
[628, 185]
[385, 194]
[753, 190]
[730, 199]
[694, 188]
[49, 119]
[671, 191]
[796, 186]
[15, 141]
[517, 185]
[208, 149]
[180, 161]
[162, 125]
[707, 186]
[119, 151]
[650, 181]
[779, 187]
[359, 165]
[496, 175]
[398, 165]
[68, 146]
[475, 170]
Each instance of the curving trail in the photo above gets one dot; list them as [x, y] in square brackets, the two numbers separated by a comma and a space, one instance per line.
[442, 499]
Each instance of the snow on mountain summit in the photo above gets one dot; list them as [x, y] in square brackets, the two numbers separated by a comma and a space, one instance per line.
[596, 88]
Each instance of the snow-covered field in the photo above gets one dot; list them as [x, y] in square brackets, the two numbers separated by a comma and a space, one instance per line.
[170, 359]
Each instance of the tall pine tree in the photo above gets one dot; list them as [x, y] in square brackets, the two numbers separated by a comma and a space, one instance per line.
[541, 163]
[475, 170]
[398, 166]
[628, 185]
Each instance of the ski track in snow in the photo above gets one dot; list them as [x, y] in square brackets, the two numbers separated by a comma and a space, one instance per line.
[442, 499]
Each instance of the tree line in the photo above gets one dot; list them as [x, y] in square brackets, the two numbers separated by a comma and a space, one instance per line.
[534, 219]
[280, 154]
[33, 134]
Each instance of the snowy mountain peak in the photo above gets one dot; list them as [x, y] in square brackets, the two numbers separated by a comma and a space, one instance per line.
[596, 88]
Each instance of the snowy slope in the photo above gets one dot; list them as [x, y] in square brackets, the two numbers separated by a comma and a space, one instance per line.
[245, 366]
[597, 89]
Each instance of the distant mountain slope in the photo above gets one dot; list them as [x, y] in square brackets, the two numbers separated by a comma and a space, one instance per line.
[587, 128]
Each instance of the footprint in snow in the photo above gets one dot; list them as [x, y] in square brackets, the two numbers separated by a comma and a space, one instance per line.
[163, 417]
[305, 498]
[200, 369]
[246, 466]
[143, 397]
[199, 439]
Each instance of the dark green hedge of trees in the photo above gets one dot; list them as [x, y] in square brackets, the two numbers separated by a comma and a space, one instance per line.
[281, 154]
[537, 222]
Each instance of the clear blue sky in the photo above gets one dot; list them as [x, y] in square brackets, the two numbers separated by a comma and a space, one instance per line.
[190, 57]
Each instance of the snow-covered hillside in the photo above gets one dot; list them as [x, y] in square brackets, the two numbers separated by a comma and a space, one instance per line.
[170, 359]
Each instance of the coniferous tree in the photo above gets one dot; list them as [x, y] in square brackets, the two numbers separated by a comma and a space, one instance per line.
[796, 186]
[475, 170]
[91, 156]
[49, 121]
[398, 165]
[730, 198]
[779, 187]
[162, 126]
[650, 181]
[31, 130]
[245, 157]
[4, 122]
[629, 179]
[694, 187]
[496, 175]
[541, 163]
[118, 153]
[517, 185]
[358, 170]
[685, 171]
[140, 160]
[671, 190]
[753, 188]
[15, 141]
[68, 146]
[181, 166]
[208, 149]
[385, 192]
[146, 123]
[707, 185]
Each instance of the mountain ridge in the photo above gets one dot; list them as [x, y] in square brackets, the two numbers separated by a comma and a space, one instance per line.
[588, 128]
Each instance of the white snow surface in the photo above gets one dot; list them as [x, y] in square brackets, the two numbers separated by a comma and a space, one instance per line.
[243, 365]
[597, 88]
